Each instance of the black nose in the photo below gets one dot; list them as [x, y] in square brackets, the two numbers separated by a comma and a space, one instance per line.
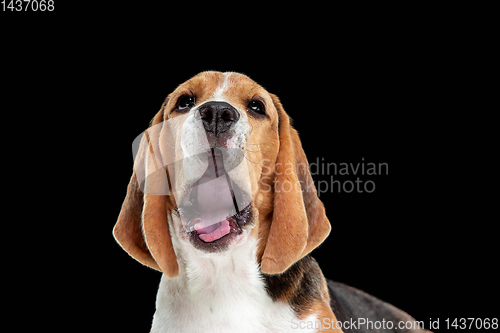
[218, 117]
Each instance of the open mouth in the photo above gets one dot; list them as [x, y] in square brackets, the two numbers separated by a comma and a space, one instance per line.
[215, 209]
[212, 232]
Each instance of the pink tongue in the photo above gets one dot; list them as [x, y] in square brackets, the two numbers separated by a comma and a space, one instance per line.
[212, 232]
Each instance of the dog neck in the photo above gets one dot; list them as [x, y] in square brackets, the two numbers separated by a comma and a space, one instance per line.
[219, 293]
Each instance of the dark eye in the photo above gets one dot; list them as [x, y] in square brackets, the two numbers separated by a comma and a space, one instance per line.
[185, 102]
[257, 107]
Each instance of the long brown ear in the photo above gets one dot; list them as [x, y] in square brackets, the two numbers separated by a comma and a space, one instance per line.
[299, 221]
[142, 227]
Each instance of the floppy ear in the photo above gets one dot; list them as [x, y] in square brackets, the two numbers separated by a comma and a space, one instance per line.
[299, 222]
[142, 227]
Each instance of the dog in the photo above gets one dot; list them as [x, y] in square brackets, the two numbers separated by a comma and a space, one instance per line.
[222, 203]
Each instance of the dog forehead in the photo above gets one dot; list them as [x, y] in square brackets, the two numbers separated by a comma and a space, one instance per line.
[231, 86]
[235, 88]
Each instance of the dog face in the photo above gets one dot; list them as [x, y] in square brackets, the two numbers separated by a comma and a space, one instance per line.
[220, 164]
[215, 122]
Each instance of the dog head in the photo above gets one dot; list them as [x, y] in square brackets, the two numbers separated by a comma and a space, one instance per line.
[220, 164]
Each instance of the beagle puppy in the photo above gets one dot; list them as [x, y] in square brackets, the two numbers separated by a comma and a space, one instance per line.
[221, 202]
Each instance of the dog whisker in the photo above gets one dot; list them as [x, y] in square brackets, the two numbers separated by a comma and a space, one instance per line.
[258, 144]
[253, 151]
[250, 160]
[168, 144]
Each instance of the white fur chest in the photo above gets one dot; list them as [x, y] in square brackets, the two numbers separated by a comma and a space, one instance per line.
[218, 295]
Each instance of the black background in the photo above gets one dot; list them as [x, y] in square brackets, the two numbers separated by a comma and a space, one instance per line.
[381, 90]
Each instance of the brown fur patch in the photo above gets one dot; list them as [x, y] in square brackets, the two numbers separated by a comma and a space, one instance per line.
[299, 223]
[145, 234]
[304, 288]
[128, 229]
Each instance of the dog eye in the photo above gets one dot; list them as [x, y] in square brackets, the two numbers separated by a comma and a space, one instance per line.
[185, 102]
[256, 106]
